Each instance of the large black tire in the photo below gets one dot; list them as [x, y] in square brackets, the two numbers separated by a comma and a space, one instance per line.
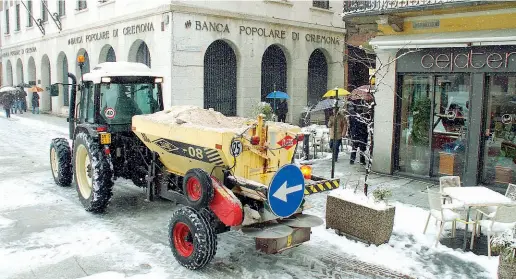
[192, 240]
[92, 169]
[61, 162]
[198, 188]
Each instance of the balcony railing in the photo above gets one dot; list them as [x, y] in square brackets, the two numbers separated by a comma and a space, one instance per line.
[378, 6]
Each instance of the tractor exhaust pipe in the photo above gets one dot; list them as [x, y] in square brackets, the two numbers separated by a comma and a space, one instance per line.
[71, 111]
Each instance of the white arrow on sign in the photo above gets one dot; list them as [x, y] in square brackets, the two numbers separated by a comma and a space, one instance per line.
[283, 191]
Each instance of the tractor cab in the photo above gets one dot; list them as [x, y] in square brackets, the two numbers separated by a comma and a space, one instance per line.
[114, 92]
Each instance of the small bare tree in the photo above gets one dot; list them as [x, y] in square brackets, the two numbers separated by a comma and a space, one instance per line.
[366, 103]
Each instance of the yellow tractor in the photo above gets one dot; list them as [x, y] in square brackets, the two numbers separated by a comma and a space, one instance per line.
[228, 173]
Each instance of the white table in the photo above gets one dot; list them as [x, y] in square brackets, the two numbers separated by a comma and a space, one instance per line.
[476, 196]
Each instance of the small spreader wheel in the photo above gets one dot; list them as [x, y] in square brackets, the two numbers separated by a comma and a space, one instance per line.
[61, 161]
[197, 188]
[192, 240]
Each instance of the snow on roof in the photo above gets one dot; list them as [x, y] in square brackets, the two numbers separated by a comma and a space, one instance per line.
[114, 69]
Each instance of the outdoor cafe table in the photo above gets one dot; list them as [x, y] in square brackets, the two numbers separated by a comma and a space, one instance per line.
[475, 196]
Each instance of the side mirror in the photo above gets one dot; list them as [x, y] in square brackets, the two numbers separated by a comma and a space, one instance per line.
[54, 90]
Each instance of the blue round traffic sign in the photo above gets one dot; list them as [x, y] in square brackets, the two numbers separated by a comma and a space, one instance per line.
[286, 191]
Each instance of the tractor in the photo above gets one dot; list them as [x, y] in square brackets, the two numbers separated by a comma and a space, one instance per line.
[226, 173]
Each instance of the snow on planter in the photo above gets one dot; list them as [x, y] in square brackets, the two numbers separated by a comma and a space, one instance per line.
[359, 217]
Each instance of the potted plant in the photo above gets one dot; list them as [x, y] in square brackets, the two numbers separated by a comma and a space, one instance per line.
[505, 246]
[367, 219]
[420, 135]
[265, 109]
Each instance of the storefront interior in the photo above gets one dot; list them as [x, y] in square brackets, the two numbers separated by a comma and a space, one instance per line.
[433, 119]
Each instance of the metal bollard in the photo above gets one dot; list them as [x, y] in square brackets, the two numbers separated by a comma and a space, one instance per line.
[306, 146]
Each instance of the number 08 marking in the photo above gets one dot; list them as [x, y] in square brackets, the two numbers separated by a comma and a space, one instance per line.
[195, 153]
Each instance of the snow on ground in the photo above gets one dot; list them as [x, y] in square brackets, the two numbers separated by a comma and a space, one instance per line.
[409, 251]
[45, 233]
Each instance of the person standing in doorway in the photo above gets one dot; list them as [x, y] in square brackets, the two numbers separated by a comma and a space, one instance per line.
[35, 103]
[282, 111]
[359, 134]
[342, 128]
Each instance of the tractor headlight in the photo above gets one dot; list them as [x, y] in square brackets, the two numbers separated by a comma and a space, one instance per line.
[158, 80]
[105, 80]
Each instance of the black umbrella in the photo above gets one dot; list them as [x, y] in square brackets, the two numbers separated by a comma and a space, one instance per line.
[24, 85]
[326, 104]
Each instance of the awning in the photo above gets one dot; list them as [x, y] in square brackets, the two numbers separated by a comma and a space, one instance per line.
[449, 39]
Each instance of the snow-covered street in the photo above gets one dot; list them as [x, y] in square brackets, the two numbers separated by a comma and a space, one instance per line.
[46, 233]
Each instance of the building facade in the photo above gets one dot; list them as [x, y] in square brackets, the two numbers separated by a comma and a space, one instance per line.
[221, 55]
[445, 89]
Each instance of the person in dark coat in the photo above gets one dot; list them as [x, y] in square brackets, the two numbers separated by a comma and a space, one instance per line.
[35, 103]
[7, 101]
[358, 133]
[282, 111]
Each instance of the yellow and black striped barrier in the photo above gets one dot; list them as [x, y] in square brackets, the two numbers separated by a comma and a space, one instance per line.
[321, 186]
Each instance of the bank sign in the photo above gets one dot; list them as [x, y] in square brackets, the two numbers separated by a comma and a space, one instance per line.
[470, 59]
[244, 30]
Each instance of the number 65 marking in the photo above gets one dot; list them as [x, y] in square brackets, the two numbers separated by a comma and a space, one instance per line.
[195, 152]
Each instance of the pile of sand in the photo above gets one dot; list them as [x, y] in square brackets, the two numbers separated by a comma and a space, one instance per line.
[200, 118]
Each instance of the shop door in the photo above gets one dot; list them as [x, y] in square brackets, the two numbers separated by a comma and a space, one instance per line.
[414, 120]
[450, 109]
[499, 130]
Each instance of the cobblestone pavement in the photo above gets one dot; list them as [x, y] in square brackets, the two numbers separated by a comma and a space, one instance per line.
[53, 237]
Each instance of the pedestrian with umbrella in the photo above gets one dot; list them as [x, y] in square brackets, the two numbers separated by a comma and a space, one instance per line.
[358, 120]
[35, 99]
[7, 99]
[337, 129]
[282, 113]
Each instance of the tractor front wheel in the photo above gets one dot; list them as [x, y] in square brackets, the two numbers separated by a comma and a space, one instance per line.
[198, 188]
[61, 162]
[192, 240]
[93, 174]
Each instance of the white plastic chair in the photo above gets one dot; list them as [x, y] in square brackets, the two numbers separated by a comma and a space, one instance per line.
[510, 193]
[443, 213]
[448, 181]
[500, 221]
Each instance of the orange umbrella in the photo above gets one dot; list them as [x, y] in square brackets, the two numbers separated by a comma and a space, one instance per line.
[36, 89]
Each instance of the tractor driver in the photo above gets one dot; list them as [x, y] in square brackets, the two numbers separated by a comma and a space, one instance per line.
[125, 105]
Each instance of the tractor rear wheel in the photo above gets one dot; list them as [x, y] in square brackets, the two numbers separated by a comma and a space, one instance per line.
[93, 174]
[198, 188]
[61, 162]
[192, 240]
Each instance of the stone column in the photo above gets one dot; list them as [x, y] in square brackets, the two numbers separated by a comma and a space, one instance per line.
[384, 113]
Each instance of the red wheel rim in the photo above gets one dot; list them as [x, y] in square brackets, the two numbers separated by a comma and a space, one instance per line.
[193, 188]
[183, 240]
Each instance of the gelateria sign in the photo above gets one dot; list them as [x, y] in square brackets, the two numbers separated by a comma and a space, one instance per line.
[476, 59]
[275, 33]
[114, 33]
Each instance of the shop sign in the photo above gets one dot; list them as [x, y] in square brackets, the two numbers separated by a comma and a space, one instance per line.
[472, 59]
[20, 51]
[209, 26]
[106, 34]
[427, 24]
[466, 59]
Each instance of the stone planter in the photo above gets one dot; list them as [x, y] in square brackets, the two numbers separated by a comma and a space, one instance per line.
[368, 223]
[506, 270]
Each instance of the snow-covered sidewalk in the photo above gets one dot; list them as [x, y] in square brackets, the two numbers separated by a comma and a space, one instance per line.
[45, 233]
